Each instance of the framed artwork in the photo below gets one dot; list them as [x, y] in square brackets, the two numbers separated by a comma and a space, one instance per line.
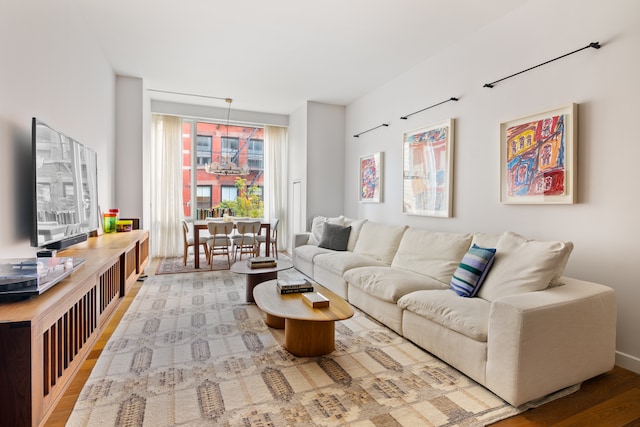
[371, 178]
[538, 158]
[427, 172]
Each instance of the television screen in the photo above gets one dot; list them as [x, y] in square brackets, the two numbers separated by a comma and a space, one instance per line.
[66, 188]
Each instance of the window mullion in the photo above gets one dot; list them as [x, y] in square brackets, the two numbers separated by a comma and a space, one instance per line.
[194, 169]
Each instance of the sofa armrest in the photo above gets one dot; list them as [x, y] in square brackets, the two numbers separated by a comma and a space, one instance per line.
[300, 239]
[541, 342]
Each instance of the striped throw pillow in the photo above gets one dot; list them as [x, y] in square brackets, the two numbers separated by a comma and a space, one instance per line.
[472, 270]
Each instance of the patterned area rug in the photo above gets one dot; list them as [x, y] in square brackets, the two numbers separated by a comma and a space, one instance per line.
[190, 352]
[172, 265]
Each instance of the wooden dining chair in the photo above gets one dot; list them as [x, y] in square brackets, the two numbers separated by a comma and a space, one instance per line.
[219, 241]
[262, 238]
[188, 242]
[244, 241]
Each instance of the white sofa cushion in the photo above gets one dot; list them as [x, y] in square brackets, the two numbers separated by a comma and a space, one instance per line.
[317, 227]
[339, 262]
[389, 283]
[435, 254]
[523, 265]
[556, 280]
[486, 240]
[356, 226]
[309, 252]
[467, 316]
[379, 241]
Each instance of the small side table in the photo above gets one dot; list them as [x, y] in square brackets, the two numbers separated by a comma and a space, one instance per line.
[255, 276]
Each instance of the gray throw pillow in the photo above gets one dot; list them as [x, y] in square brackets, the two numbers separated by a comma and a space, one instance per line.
[335, 237]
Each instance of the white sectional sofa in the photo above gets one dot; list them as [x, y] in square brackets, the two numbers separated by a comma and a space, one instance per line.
[528, 332]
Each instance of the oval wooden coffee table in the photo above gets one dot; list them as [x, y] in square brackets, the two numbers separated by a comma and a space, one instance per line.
[256, 276]
[307, 331]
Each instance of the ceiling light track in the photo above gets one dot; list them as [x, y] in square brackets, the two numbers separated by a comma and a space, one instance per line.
[226, 99]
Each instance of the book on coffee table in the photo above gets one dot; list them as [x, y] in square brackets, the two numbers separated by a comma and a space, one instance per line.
[293, 283]
[294, 286]
[261, 262]
[296, 290]
[315, 299]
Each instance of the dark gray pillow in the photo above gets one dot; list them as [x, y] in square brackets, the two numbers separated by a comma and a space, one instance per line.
[335, 237]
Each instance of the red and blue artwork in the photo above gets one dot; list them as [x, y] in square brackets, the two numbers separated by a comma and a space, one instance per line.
[369, 179]
[536, 158]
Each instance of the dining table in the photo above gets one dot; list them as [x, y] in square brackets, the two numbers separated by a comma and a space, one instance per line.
[201, 224]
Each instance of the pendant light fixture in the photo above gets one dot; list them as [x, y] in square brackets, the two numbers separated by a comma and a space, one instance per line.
[225, 166]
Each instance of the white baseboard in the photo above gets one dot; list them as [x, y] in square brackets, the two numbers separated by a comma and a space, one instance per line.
[628, 361]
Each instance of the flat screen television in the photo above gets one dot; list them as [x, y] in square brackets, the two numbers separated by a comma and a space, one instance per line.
[65, 186]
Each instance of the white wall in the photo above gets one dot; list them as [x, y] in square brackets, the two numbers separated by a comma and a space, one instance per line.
[604, 224]
[325, 159]
[51, 69]
[316, 147]
[146, 161]
[130, 109]
[298, 167]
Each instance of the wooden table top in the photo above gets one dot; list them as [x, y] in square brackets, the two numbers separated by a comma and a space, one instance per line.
[291, 306]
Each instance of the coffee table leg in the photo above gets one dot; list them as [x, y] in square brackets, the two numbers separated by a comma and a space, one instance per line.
[254, 280]
[274, 322]
[306, 338]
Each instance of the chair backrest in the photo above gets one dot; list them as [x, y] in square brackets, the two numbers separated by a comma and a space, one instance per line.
[274, 228]
[247, 231]
[248, 227]
[185, 232]
[218, 227]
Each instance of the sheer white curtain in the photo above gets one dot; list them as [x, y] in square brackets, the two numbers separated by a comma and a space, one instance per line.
[166, 186]
[276, 178]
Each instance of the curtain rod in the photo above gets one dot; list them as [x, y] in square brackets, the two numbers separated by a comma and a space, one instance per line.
[189, 94]
[595, 45]
[369, 130]
[431, 106]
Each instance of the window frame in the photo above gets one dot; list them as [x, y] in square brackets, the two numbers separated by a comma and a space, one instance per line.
[198, 149]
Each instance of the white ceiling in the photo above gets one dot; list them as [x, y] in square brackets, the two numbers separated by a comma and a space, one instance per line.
[274, 55]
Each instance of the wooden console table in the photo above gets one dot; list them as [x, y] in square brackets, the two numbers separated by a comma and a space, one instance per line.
[45, 339]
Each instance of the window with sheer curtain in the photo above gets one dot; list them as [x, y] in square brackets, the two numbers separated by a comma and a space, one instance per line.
[276, 167]
[181, 188]
[237, 143]
[166, 186]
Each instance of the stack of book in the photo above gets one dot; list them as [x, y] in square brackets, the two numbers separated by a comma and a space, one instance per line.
[261, 262]
[294, 286]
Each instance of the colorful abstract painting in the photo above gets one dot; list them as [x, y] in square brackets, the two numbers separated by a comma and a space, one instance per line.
[371, 178]
[537, 158]
[427, 170]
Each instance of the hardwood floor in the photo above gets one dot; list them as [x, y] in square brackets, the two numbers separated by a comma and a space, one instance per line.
[608, 400]
[62, 411]
[611, 399]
